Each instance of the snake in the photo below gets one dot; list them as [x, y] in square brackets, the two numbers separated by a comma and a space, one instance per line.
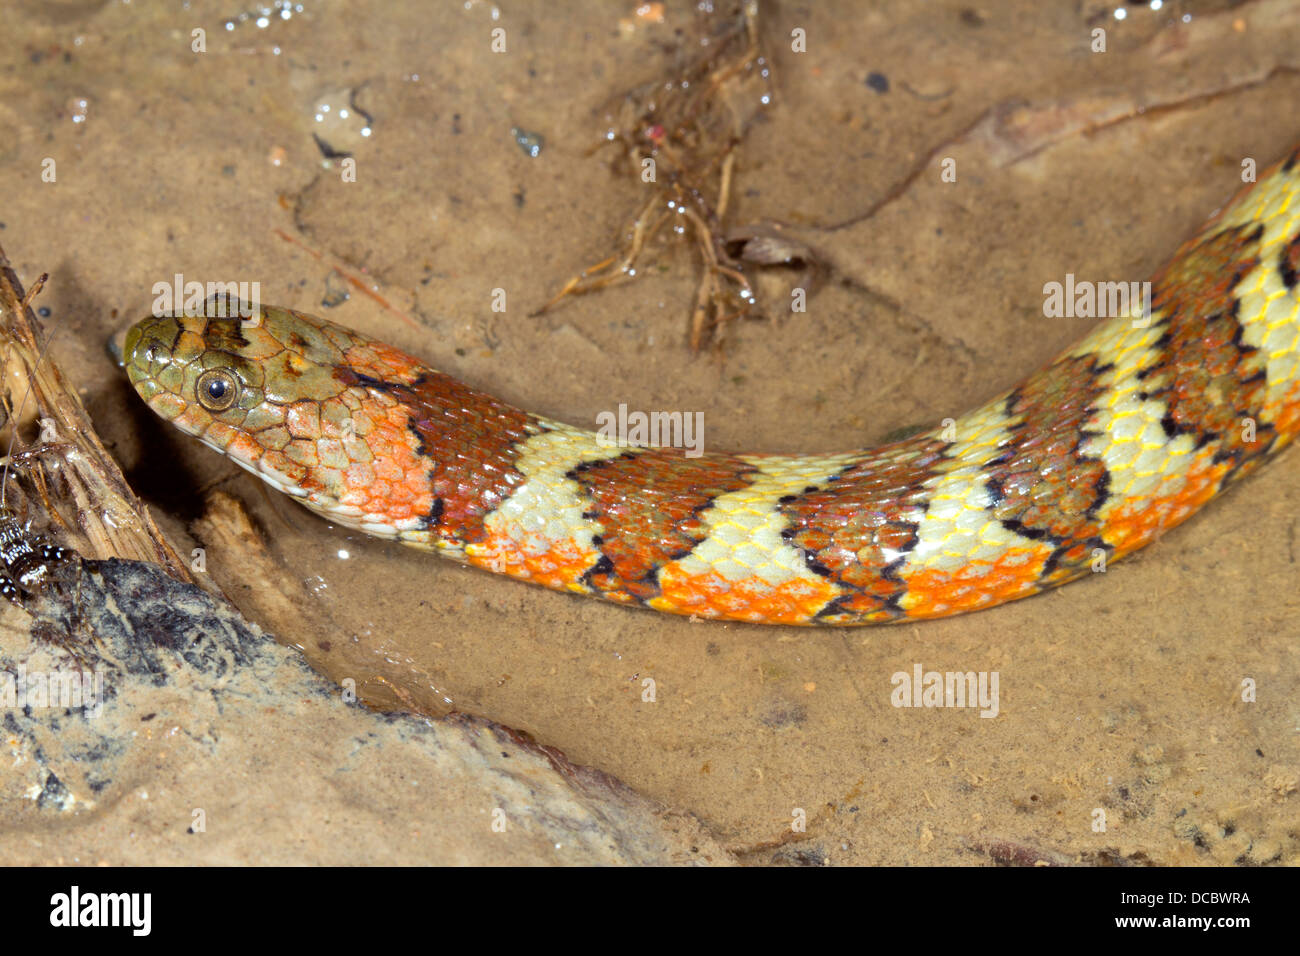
[1119, 438]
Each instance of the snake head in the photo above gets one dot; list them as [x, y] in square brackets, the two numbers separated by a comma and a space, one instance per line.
[316, 410]
[235, 383]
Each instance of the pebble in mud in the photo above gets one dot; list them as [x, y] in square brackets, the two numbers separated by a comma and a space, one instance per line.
[1237, 836]
[337, 125]
[530, 143]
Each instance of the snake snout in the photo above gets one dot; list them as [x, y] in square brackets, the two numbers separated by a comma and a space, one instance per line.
[146, 343]
[118, 343]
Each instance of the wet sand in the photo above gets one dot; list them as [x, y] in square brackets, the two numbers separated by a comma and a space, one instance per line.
[1121, 693]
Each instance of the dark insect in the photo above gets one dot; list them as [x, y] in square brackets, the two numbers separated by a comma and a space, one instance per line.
[27, 561]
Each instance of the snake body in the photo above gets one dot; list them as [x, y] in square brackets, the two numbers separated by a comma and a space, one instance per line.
[1119, 438]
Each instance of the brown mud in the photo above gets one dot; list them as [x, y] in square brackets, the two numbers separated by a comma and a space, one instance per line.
[1121, 693]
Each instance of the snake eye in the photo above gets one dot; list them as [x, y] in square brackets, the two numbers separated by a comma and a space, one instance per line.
[216, 389]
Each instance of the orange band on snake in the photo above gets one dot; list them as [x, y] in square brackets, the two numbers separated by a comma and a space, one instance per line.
[1118, 439]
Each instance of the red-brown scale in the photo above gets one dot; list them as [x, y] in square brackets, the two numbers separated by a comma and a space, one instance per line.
[649, 505]
[1043, 485]
[1206, 376]
[855, 530]
[471, 441]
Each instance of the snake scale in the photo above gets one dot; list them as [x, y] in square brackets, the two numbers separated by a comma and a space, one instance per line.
[1119, 438]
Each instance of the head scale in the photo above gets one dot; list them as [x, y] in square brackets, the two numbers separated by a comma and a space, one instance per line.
[314, 409]
[232, 382]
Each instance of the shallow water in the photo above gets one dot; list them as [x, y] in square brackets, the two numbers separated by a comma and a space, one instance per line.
[1120, 692]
